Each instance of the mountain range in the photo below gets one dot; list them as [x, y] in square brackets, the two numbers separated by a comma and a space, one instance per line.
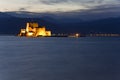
[12, 22]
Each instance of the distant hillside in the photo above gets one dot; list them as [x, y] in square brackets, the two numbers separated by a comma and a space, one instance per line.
[12, 25]
[109, 25]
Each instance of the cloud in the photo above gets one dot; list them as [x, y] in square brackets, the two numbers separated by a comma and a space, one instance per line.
[22, 9]
[67, 1]
[78, 1]
[98, 12]
[52, 1]
[54, 5]
[26, 8]
[84, 3]
[70, 5]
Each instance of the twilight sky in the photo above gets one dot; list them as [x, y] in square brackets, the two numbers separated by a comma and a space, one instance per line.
[55, 5]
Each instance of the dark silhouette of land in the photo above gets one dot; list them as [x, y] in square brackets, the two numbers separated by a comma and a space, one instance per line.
[12, 25]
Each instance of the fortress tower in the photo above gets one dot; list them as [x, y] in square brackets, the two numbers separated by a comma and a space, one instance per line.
[33, 30]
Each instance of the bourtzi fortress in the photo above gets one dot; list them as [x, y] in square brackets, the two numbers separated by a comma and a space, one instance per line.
[33, 30]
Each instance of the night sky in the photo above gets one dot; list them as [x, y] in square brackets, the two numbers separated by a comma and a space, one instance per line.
[57, 5]
[58, 15]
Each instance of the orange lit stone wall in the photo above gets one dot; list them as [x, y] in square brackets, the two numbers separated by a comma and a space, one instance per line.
[32, 30]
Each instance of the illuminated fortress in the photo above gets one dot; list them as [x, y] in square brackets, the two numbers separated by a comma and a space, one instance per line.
[33, 30]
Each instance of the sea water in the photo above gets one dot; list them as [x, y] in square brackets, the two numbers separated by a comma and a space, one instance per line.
[57, 58]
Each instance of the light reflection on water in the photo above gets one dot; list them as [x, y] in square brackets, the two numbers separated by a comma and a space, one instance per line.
[59, 58]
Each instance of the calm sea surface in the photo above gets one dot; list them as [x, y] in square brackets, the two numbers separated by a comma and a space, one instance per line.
[85, 58]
